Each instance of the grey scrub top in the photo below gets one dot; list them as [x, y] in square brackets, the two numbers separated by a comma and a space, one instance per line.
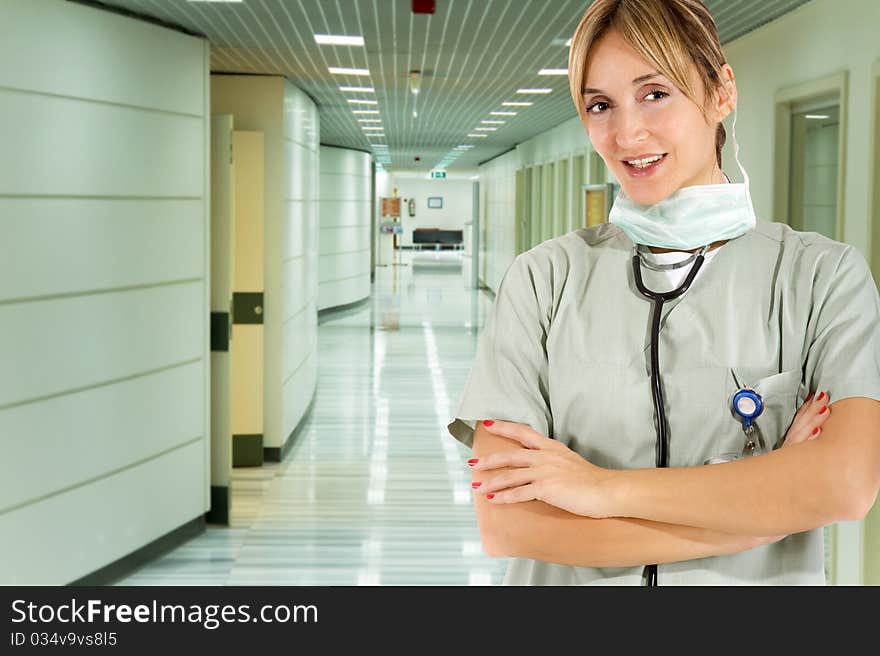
[566, 351]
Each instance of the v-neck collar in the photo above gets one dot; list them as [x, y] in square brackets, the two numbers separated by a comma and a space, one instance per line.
[700, 283]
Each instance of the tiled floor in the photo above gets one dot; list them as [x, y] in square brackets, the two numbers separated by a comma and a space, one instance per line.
[374, 491]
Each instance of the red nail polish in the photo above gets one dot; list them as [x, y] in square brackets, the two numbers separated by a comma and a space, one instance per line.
[477, 484]
[809, 396]
[823, 410]
[473, 461]
[815, 430]
[490, 496]
[488, 422]
[821, 396]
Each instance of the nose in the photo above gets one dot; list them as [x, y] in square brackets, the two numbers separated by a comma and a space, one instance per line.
[631, 129]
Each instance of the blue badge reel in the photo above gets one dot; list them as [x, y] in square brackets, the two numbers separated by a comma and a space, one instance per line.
[746, 406]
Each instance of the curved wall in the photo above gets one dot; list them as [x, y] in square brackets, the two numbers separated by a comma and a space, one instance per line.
[103, 297]
[344, 235]
[289, 121]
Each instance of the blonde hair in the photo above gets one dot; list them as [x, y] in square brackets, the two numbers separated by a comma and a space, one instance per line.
[673, 35]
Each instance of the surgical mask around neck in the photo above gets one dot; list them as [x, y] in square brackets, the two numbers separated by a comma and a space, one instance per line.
[692, 216]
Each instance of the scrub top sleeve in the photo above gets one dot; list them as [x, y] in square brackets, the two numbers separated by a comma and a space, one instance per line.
[508, 378]
[844, 356]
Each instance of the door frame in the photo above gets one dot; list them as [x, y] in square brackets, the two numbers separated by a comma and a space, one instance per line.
[784, 99]
[871, 536]
[874, 182]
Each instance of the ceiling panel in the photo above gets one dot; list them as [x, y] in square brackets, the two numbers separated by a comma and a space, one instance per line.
[473, 55]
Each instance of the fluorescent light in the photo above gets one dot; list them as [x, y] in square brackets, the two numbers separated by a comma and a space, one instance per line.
[365, 111]
[517, 104]
[369, 120]
[374, 134]
[339, 40]
[474, 177]
[364, 89]
[553, 71]
[478, 135]
[372, 127]
[533, 91]
[816, 116]
[568, 43]
[348, 71]
[483, 129]
[503, 113]
[493, 122]
[361, 101]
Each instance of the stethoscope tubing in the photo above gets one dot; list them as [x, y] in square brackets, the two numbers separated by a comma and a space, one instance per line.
[660, 425]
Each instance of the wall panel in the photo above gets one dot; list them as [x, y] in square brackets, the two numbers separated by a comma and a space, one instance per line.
[345, 230]
[103, 297]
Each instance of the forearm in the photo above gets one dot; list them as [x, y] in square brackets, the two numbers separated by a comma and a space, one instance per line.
[537, 530]
[786, 491]
[540, 531]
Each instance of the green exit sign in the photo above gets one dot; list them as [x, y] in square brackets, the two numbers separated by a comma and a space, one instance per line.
[438, 174]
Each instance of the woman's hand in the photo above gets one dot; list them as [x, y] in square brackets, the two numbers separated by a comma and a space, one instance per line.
[807, 423]
[545, 470]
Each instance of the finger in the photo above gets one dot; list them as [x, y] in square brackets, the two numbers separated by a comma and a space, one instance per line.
[512, 458]
[809, 418]
[514, 495]
[525, 435]
[807, 426]
[805, 406]
[504, 480]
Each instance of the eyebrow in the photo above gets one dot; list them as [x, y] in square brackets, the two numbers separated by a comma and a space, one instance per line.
[638, 80]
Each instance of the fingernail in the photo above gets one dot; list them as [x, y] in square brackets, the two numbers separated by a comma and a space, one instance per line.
[810, 396]
[477, 484]
[488, 422]
[821, 396]
[473, 461]
[823, 410]
[815, 430]
[490, 496]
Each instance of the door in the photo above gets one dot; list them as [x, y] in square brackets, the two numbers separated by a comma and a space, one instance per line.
[248, 288]
[222, 265]
[813, 183]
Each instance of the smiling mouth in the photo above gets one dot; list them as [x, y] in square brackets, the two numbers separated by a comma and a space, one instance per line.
[644, 163]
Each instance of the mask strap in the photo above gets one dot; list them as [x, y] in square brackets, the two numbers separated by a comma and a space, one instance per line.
[742, 169]
[736, 151]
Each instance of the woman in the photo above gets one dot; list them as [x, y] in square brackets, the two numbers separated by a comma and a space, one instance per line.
[565, 354]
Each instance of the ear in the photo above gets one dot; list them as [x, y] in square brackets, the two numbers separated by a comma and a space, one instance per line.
[725, 96]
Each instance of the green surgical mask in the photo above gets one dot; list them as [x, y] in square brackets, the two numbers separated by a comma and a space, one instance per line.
[692, 216]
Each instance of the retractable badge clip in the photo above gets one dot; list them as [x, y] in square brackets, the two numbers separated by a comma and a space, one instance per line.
[747, 406]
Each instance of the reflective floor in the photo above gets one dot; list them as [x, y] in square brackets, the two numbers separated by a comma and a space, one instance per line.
[374, 490]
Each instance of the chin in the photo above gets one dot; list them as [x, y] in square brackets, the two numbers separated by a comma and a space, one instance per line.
[644, 196]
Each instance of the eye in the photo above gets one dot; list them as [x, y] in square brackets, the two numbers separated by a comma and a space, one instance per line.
[589, 109]
[663, 94]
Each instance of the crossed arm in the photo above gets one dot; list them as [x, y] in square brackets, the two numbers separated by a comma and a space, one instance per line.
[667, 515]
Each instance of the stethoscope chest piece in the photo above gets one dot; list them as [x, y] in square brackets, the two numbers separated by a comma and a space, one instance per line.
[747, 405]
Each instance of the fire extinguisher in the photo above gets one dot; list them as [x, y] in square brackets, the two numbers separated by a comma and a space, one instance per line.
[411, 206]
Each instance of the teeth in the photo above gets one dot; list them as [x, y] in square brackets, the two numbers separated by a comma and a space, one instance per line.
[642, 163]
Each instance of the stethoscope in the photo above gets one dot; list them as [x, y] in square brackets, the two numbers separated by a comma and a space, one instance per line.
[746, 404]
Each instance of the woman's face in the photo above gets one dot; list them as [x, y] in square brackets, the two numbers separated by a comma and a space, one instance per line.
[634, 113]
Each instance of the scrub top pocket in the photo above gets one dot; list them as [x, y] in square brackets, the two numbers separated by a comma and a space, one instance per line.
[781, 393]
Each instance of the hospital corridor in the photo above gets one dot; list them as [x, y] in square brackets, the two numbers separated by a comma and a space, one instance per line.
[266, 267]
[389, 493]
